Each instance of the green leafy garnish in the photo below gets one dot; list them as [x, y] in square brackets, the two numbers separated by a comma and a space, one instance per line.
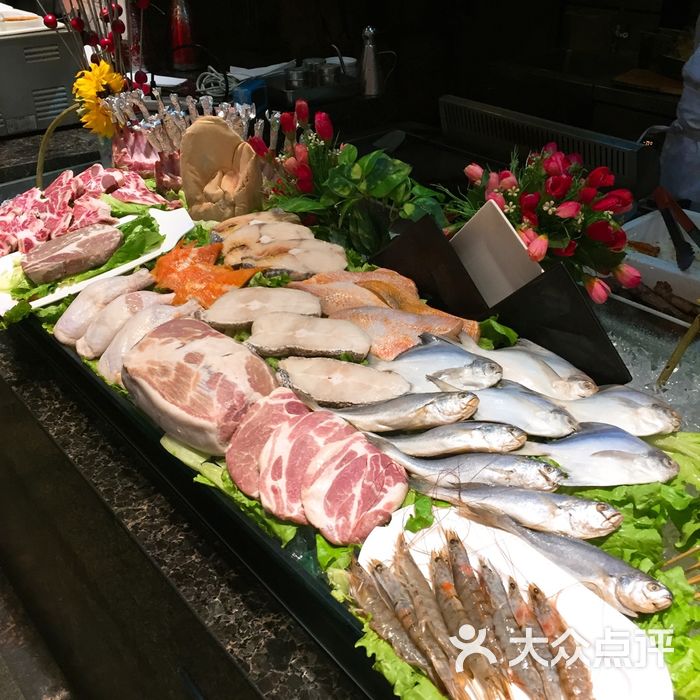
[259, 279]
[20, 310]
[274, 362]
[49, 315]
[93, 365]
[241, 336]
[496, 335]
[422, 513]
[357, 262]
[200, 235]
[150, 182]
[119, 208]
[331, 555]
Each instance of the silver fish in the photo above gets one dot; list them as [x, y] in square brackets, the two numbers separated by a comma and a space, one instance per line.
[417, 364]
[627, 589]
[514, 404]
[603, 455]
[476, 467]
[549, 512]
[412, 411]
[632, 410]
[467, 436]
[562, 367]
[533, 372]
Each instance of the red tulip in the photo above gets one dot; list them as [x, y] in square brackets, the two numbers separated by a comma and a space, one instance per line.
[474, 173]
[305, 181]
[538, 248]
[492, 183]
[323, 126]
[529, 201]
[627, 275]
[301, 110]
[558, 185]
[531, 218]
[575, 158]
[587, 194]
[616, 201]
[568, 210]
[556, 164]
[496, 197]
[600, 177]
[597, 290]
[506, 180]
[619, 240]
[288, 123]
[258, 145]
[601, 231]
[566, 252]
[550, 147]
[301, 153]
[527, 235]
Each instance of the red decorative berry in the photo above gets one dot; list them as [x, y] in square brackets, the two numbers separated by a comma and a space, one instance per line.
[104, 14]
[117, 9]
[91, 39]
[146, 88]
[141, 76]
[143, 4]
[106, 43]
[77, 24]
[118, 26]
[50, 21]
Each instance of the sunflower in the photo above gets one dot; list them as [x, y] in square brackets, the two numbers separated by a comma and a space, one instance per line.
[90, 88]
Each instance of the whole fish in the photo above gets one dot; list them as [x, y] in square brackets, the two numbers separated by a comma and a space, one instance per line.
[603, 455]
[562, 367]
[526, 619]
[476, 467]
[467, 436]
[632, 410]
[533, 372]
[416, 365]
[382, 618]
[549, 512]
[574, 675]
[514, 404]
[412, 411]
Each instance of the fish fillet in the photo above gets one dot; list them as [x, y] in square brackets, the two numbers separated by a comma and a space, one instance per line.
[264, 233]
[381, 274]
[336, 296]
[393, 331]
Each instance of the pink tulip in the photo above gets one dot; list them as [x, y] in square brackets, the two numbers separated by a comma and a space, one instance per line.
[556, 164]
[575, 158]
[506, 180]
[550, 147]
[538, 248]
[597, 290]
[301, 111]
[498, 198]
[474, 173]
[627, 275]
[492, 183]
[568, 210]
[301, 153]
[527, 235]
[291, 165]
[323, 126]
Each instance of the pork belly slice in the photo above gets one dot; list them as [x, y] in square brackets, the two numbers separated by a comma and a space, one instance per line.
[282, 334]
[195, 382]
[259, 422]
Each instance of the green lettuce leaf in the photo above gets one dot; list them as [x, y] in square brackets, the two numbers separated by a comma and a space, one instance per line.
[200, 235]
[150, 182]
[259, 279]
[685, 449]
[495, 334]
[19, 311]
[331, 555]
[357, 262]
[422, 513]
[119, 208]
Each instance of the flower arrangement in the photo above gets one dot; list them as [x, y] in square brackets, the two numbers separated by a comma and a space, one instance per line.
[91, 86]
[349, 199]
[561, 213]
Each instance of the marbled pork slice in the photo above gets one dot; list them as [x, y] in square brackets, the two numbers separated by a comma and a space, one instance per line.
[81, 250]
[282, 334]
[285, 459]
[237, 309]
[112, 360]
[248, 440]
[101, 331]
[195, 382]
[355, 489]
[91, 300]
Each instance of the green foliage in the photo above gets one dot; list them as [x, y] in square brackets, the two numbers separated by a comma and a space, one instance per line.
[496, 335]
[260, 279]
[331, 555]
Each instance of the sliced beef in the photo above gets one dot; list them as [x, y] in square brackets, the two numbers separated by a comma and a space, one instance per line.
[259, 422]
[195, 382]
[81, 250]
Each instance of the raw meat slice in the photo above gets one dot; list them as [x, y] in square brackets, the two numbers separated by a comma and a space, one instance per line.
[283, 334]
[133, 189]
[237, 309]
[140, 324]
[85, 307]
[338, 383]
[381, 273]
[337, 296]
[8, 243]
[355, 489]
[89, 182]
[247, 442]
[393, 331]
[58, 224]
[195, 382]
[102, 330]
[286, 456]
[90, 210]
[82, 250]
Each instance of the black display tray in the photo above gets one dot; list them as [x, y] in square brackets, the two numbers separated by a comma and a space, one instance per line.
[304, 594]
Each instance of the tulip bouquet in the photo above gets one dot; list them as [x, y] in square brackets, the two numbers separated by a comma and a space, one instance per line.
[561, 213]
[349, 200]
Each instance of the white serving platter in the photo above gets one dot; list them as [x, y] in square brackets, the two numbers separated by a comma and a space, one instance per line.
[645, 678]
[174, 224]
[493, 254]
